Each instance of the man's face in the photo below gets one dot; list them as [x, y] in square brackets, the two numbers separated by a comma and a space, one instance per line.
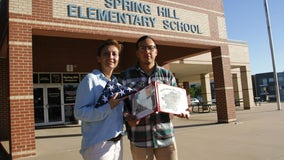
[146, 52]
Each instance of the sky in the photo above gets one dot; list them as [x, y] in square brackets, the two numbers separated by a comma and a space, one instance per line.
[246, 21]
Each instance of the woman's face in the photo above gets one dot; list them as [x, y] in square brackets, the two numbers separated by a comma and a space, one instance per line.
[109, 57]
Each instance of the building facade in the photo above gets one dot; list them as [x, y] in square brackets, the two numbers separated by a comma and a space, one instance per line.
[199, 70]
[264, 86]
[47, 46]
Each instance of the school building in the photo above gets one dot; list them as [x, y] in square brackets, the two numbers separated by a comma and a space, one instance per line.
[264, 86]
[47, 46]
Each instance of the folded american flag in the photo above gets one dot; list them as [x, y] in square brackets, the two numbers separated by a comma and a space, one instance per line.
[111, 88]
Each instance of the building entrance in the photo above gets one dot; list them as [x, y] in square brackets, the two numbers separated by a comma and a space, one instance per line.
[48, 105]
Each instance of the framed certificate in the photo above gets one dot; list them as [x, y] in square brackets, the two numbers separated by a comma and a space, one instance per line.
[171, 99]
[158, 97]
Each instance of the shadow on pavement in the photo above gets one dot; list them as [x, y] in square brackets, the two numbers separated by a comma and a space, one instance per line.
[196, 125]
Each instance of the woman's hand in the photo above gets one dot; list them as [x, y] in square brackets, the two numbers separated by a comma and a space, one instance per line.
[113, 102]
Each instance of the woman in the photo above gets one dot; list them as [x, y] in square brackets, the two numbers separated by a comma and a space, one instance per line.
[102, 126]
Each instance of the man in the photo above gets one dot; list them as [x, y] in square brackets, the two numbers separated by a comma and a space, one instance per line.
[153, 135]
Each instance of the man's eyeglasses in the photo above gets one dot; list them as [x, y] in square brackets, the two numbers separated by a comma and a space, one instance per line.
[145, 48]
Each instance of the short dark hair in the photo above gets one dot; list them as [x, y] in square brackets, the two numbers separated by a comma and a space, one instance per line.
[144, 38]
[109, 42]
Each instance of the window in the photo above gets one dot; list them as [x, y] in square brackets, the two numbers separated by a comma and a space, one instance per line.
[271, 88]
[264, 81]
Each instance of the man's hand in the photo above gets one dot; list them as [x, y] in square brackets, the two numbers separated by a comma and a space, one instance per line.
[183, 115]
[131, 119]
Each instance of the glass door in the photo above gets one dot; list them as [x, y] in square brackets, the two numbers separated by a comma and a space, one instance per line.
[54, 109]
[48, 105]
[39, 105]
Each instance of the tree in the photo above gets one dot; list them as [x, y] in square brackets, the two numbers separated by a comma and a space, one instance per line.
[195, 91]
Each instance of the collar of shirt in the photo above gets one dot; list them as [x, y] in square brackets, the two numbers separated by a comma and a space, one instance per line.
[141, 70]
[102, 76]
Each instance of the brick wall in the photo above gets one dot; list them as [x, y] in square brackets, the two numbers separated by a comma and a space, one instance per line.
[22, 140]
[49, 18]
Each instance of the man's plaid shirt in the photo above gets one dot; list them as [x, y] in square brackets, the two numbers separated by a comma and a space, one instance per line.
[155, 130]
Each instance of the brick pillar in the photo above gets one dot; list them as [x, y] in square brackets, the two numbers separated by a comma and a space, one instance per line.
[237, 86]
[223, 84]
[22, 141]
[247, 90]
[186, 87]
[205, 88]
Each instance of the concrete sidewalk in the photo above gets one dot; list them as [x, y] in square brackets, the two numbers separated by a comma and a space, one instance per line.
[256, 135]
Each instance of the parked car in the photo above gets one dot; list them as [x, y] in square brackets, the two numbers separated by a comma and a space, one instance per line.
[194, 101]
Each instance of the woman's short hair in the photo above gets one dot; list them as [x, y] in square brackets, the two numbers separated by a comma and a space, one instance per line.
[109, 42]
